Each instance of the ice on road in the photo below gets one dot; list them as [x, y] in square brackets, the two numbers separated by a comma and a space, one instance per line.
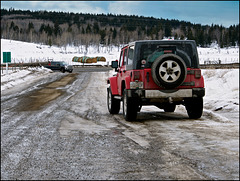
[75, 137]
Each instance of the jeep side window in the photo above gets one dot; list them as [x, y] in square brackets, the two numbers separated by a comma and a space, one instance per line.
[120, 59]
[130, 55]
[125, 57]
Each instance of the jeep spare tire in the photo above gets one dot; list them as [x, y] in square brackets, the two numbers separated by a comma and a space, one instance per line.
[169, 71]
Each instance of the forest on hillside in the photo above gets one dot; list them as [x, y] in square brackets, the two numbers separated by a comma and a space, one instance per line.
[66, 28]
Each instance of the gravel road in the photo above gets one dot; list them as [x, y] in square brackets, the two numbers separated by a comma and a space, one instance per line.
[60, 128]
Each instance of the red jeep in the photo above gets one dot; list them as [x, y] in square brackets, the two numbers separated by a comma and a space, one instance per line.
[157, 72]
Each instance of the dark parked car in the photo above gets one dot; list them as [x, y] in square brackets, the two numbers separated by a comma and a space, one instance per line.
[160, 73]
[59, 65]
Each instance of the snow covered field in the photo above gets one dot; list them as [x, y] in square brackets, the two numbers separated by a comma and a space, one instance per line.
[31, 52]
[222, 85]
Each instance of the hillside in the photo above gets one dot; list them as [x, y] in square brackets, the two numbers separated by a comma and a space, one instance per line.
[33, 52]
[62, 29]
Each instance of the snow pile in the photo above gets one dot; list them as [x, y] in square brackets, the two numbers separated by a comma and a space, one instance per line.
[222, 89]
[15, 78]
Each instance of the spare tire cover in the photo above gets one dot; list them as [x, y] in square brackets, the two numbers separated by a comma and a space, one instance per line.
[169, 71]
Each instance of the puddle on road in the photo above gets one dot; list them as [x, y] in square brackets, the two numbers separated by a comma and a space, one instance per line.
[62, 82]
[38, 98]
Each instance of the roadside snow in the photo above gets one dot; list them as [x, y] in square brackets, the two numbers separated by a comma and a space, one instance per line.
[15, 78]
[222, 89]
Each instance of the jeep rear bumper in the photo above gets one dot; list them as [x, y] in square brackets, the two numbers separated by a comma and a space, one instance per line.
[180, 93]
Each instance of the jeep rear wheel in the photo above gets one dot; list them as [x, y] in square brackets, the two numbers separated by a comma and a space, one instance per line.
[113, 104]
[130, 107]
[194, 107]
[169, 71]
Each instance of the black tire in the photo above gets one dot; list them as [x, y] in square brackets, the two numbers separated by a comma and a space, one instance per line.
[194, 107]
[70, 71]
[169, 108]
[113, 104]
[130, 107]
[62, 70]
[169, 71]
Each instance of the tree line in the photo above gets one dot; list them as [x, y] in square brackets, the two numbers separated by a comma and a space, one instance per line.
[67, 28]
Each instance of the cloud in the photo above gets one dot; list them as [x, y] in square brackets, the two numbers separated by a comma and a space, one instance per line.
[85, 7]
[216, 12]
[203, 12]
[125, 7]
[65, 6]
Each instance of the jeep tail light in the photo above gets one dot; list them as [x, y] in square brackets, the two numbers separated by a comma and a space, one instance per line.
[197, 74]
[136, 75]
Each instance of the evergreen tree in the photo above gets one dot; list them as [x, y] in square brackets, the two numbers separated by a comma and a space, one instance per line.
[167, 31]
[83, 31]
[57, 27]
[88, 29]
[50, 42]
[102, 34]
[95, 28]
[30, 26]
[114, 35]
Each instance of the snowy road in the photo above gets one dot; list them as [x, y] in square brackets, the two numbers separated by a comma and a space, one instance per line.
[61, 129]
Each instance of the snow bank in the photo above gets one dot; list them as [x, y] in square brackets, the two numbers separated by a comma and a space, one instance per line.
[15, 78]
[222, 89]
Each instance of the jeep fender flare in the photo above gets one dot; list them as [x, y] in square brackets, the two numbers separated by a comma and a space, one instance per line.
[113, 85]
[125, 85]
[127, 82]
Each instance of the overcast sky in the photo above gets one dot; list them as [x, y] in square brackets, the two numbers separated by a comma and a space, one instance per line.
[224, 13]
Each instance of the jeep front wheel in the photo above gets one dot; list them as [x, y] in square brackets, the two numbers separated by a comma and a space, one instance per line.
[130, 107]
[113, 104]
[194, 107]
[169, 71]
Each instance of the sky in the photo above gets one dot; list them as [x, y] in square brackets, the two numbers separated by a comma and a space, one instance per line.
[225, 13]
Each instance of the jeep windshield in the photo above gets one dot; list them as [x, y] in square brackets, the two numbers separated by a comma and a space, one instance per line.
[150, 50]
